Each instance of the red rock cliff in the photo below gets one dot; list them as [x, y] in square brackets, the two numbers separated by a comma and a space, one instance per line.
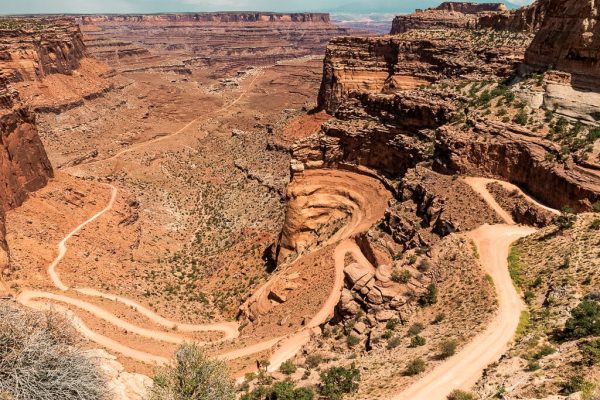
[217, 17]
[524, 19]
[569, 39]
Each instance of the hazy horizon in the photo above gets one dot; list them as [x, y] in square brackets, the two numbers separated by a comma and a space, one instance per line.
[160, 6]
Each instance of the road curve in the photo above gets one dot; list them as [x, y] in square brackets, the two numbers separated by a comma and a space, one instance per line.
[493, 242]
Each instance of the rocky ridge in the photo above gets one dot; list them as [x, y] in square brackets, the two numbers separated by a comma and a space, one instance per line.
[447, 15]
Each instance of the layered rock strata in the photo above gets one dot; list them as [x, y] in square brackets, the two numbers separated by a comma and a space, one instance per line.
[524, 19]
[179, 42]
[569, 40]
[447, 15]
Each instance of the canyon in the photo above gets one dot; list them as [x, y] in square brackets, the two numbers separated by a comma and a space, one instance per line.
[278, 189]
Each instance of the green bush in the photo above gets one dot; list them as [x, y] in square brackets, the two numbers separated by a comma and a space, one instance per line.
[595, 225]
[415, 367]
[429, 297]
[392, 324]
[194, 376]
[313, 360]
[575, 384]
[285, 390]
[461, 395]
[417, 341]
[287, 368]
[590, 352]
[415, 329]
[394, 342]
[596, 206]
[447, 348]
[521, 118]
[439, 317]
[338, 381]
[584, 321]
[352, 340]
[402, 276]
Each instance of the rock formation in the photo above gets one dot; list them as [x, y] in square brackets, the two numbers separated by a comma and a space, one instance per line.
[569, 40]
[380, 64]
[524, 19]
[447, 15]
[180, 42]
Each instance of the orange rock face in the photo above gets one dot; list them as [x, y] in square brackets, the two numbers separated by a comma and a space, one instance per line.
[569, 39]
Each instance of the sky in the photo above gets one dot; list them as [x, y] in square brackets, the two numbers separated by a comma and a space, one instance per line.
[156, 6]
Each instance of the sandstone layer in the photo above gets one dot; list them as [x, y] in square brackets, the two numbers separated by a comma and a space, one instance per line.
[184, 42]
[524, 19]
[446, 15]
[569, 40]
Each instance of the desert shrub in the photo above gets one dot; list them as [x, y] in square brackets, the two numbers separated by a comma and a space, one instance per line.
[394, 342]
[429, 297]
[447, 348]
[461, 395]
[533, 365]
[514, 266]
[417, 341]
[415, 329]
[392, 324]
[338, 381]
[439, 317]
[415, 367]
[596, 206]
[521, 118]
[401, 276]
[285, 390]
[352, 340]
[287, 368]
[313, 360]
[566, 219]
[595, 225]
[41, 358]
[590, 352]
[584, 321]
[193, 376]
[544, 351]
[575, 384]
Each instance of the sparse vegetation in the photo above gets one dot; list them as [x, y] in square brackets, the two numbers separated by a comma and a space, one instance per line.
[41, 358]
[417, 341]
[447, 348]
[429, 297]
[415, 329]
[461, 395]
[401, 276]
[415, 367]
[287, 367]
[584, 321]
[194, 376]
[338, 381]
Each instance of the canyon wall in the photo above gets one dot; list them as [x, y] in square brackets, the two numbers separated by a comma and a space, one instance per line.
[398, 102]
[180, 42]
[524, 19]
[447, 15]
[215, 17]
[33, 51]
[407, 61]
[569, 40]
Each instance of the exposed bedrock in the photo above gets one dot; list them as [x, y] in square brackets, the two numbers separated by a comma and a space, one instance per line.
[569, 40]
[496, 152]
[50, 47]
[407, 61]
[389, 133]
[223, 17]
[447, 15]
[524, 19]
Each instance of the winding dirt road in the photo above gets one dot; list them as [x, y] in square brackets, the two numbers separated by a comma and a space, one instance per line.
[464, 369]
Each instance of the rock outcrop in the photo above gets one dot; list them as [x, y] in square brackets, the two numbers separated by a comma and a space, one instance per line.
[569, 41]
[524, 19]
[180, 42]
[410, 60]
[447, 15]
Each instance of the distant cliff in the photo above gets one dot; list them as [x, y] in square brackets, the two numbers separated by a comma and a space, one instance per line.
[217, 17]
[524, 19]
[447, 15]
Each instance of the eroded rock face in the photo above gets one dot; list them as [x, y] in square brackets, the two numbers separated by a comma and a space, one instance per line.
[524, 19]
[39, 48]
[407, 61]
[505, 152]
[569, 40]
[180, 42]
[447, 15]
